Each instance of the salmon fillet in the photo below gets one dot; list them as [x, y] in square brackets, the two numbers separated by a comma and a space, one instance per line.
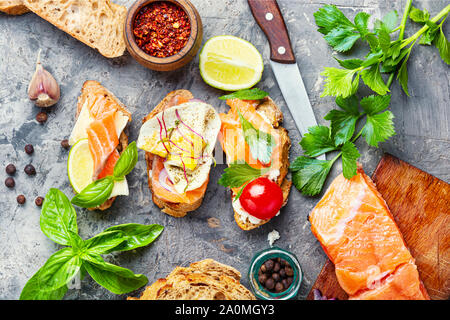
[359, 235]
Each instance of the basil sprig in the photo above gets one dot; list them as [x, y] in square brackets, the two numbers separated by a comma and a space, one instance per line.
[100, 190]
[246, 94]
[58, 222]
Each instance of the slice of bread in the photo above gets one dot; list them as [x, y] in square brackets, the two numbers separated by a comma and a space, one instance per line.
[97, 23]
[89, 88]
[14, 7]
[270, 110]
[203, 280]
[177, 210]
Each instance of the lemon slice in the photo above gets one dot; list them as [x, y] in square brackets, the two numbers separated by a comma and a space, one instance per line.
[80, 166]
[230, 63]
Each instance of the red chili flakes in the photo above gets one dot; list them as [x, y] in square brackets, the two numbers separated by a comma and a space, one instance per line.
[161, 29]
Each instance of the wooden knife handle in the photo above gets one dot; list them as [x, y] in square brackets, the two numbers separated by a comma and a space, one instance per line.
[268, 16]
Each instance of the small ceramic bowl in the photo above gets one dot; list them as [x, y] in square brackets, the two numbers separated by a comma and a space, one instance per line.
[261, 257]
[175, 61]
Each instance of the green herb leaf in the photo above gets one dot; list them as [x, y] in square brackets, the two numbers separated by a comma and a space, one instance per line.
[402, 77]
[127, 161]
[59, 269]
[350, 63]
[361, 22]
[261, 144]
[339, 82]
[442, 44]
[317, 141]
[372, 78]
[58, 218]
[343, 123]
[246, 94]
[94, 194]
[104, 242]
[116, 279]
[330, 17]
[418, 15]
[237, 174]
[135, 235]
[349, 156]
[389, 22]
[342, 38]
[309, 174]
[429, 36]
[378, 128]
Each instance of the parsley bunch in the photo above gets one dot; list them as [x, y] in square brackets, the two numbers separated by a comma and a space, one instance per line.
[386, 55]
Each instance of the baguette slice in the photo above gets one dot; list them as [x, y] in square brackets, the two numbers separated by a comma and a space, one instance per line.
[270, 110]
[89, 87]
[203, 280]
[177, 210]
[97, 23]
[14, 7]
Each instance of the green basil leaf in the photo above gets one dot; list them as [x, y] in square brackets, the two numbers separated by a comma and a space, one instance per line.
[59, 269]
[246, 94]
[32, 291]
[94, 194]
[127, 161]
[58, 218]
[104, 242]
[116, 279]
[135, 235]
[261, 144]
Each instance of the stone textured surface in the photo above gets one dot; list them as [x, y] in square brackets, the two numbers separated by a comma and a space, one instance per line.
[422, 124]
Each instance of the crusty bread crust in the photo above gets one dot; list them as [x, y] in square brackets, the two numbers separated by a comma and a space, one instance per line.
[13, 7]
[206, 279]
[177, 210]
[123, 139]
[275, 116]
[97, 23]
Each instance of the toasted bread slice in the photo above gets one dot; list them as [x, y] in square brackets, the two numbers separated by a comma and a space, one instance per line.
[97, 23]
[14, 7]
[271, 111]
[177, 210]
[203, 280]
[86, 91]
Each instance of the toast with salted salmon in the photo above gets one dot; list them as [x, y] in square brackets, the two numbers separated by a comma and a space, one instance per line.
[178, 137]
[101, 119]
[265, 117]
[13, 7]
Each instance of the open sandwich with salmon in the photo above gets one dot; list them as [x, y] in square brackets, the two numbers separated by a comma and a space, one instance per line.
[257, 151]
[358, 233]
[178, 138]
[100, 122]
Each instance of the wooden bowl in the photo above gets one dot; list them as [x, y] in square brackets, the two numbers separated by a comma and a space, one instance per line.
[177, 60]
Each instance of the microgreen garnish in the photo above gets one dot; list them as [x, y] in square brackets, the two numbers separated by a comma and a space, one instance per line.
[59, 223]
[246, 94]
[100, 190]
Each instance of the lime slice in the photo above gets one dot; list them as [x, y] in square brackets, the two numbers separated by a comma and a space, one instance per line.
[80, 165]
[230, 63]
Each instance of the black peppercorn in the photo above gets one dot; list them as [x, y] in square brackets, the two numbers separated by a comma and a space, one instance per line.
[10, 183]
[38, 201]
[10, 169]
[289, 281]
[21, 199]
[275, 276]
[279, 287]
[282, 273]
[41, 117]
[30, 170]
[276, 267]
[289, 271]
[262, 279]
[29, 149]
[65, 144]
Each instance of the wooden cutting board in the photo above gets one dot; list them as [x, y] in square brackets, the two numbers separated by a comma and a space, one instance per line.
[420, 204]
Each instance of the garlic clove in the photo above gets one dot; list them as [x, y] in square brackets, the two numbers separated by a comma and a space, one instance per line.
[43, 89]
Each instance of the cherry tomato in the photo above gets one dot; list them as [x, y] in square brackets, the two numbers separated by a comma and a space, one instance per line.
[262, 198]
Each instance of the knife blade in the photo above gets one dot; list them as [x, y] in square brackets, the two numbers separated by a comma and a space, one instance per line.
[284, 65]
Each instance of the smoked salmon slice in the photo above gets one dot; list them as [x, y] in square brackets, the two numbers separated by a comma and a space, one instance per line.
[103, 140]
[359, 235]
[108, 170]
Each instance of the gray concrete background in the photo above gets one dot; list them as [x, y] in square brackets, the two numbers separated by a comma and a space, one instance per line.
[422, 125]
